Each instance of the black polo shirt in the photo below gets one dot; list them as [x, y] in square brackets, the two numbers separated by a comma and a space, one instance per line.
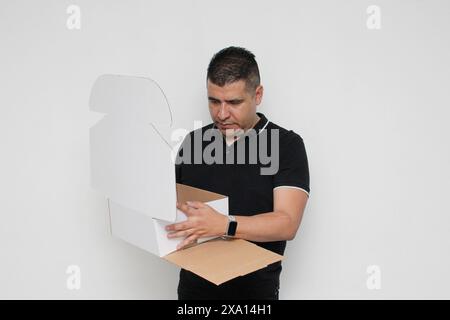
[249, 192]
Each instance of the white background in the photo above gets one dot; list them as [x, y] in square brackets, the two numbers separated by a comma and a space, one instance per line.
[371, 106]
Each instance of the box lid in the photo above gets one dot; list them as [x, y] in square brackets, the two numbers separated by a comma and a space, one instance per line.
[219, 260]
[130, 161]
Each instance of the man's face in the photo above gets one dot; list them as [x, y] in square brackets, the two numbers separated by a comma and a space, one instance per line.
[233, 107]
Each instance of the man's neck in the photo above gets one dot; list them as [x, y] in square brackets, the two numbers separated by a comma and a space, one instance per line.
[257, 118]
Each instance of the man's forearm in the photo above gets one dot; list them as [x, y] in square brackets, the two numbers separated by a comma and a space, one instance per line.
[265, 227]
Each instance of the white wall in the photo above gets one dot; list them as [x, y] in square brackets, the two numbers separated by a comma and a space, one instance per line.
[371, 105]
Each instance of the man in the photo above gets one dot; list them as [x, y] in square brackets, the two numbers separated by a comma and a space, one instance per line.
[267, 207]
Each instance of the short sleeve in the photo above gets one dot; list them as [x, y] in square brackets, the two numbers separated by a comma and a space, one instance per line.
[293, 171]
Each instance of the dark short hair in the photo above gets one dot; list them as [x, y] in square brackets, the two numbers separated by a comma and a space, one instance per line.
[233, 64]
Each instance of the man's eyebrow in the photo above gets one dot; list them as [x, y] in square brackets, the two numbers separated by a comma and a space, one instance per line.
[237, 100]
[229, 101]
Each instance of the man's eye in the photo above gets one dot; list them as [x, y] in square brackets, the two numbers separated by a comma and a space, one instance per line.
[214, 101]
[235, 103]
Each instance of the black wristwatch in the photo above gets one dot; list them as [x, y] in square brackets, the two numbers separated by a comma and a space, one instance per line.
[232, 226]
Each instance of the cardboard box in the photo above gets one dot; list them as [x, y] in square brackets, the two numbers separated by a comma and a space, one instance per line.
[148, 233]
[131, 165]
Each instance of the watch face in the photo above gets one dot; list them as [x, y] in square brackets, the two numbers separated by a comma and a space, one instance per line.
[232, 228]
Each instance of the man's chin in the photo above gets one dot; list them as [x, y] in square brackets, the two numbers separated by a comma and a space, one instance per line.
[229, 133]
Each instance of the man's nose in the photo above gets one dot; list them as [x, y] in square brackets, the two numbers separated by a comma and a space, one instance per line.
[223, 111]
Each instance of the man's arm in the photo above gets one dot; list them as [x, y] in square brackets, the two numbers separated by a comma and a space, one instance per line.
[281, 224]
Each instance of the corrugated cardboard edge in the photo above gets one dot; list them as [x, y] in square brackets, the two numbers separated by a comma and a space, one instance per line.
[221, 260]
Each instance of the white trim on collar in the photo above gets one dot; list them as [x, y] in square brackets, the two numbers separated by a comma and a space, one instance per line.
[264, 126]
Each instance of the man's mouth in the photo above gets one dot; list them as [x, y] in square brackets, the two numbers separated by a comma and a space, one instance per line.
[225, 125]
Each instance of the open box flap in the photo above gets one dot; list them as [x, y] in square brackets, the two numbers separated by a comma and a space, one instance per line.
[188, 193]
[130, 96]
[221, 260]
[130, 161]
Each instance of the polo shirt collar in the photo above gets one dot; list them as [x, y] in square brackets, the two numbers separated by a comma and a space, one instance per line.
[262, 123]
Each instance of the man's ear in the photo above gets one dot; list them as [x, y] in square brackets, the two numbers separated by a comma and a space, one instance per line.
[259, 94]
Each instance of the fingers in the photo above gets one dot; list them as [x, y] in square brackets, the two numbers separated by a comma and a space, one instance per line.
[188, 210]
[189, 240]
[179, 234]
[189, 205]
[177, 226]
[186, 229]
[195, 204]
